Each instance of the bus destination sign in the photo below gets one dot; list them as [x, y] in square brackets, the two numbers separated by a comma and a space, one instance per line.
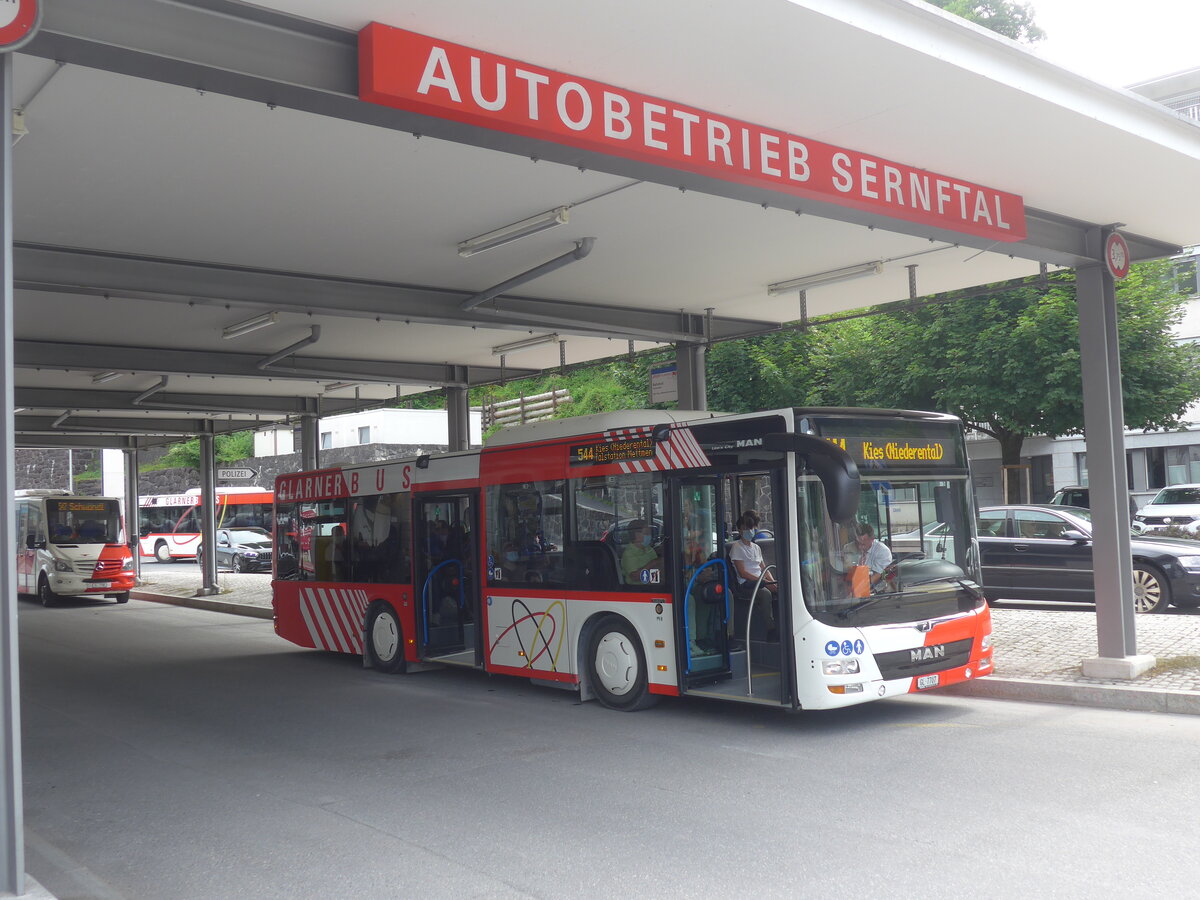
[603, 452]
[882, 452]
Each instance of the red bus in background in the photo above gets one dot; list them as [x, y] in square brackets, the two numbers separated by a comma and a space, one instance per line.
[594, 554]
[169, 524]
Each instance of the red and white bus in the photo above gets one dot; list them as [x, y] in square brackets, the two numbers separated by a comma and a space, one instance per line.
[526, 558]
[169, 524]
[71, 546]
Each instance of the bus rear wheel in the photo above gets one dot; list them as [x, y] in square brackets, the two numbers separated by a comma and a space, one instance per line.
[45, 593]
[617, 666]
[161, 552]
[385, 640]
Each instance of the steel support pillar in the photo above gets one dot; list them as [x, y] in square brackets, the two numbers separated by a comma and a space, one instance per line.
[12, 814]
[208, 515]
[458, 419]
[690, 374]
[132, 523]
[310, 443]
[1104, 426]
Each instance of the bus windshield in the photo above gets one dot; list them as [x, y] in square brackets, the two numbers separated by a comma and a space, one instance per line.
[83, 521]
[907, 556]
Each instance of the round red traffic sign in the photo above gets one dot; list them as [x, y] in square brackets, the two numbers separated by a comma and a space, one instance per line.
[1116, 255]
[18, 21]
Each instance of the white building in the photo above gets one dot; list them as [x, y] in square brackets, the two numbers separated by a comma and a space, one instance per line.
[425, 427]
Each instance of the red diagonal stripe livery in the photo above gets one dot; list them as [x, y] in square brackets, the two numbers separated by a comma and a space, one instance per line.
[334, 617]
[678, 451]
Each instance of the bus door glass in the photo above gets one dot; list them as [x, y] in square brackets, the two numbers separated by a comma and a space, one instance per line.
[703, 581]
[447, 583]
[29, 531]
[754, 495]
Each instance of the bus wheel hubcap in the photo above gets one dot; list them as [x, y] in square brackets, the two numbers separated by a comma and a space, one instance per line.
[616, 663]
[384, 637]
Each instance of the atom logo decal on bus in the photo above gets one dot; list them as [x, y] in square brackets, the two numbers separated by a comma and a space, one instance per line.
[534, 633]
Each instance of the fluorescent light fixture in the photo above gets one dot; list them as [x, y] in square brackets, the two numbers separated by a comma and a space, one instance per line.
[551, 218]
[501, 349]
[232, 331]
[340, 386]
[106, 377]
[821, 278]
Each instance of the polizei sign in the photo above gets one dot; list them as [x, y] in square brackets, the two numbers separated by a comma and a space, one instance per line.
[420, 74]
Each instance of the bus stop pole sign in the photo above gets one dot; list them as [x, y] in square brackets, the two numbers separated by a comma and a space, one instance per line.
[19, 20]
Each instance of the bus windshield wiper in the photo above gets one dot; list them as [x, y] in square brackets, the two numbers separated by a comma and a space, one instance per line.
[969, 586]
[863, 604]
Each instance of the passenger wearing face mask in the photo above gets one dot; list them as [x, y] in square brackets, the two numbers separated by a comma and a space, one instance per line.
[747, 560]
[640, 562]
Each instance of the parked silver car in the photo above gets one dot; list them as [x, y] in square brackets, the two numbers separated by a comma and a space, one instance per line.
[1177, 506]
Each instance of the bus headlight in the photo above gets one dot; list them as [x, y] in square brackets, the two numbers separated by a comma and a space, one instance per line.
[986, 643]
[839, 666]
[60, 566]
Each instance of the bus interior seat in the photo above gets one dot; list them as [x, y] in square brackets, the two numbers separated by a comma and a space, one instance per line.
[592, 563]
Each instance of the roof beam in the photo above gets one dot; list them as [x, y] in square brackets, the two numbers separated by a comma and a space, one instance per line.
[58, 356]
[273, 58]
[112, 425]
[198, 403]
[79, 441]
[39, 267]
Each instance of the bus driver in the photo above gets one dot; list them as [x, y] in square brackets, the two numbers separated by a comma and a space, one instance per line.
[639, 556]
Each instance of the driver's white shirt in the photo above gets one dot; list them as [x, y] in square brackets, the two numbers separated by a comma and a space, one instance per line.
[751, 556]
[876, 558]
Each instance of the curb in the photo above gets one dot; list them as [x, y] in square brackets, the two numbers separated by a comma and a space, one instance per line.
[223, 606]
[1107, 696]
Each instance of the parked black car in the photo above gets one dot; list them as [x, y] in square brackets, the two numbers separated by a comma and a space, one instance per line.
[244, 549]
[1081, 496]
[1044, 552]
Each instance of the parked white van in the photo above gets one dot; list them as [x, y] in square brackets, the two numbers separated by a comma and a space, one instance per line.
[70, 546]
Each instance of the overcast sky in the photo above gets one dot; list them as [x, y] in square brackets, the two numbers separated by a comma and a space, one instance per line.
[1120, 42]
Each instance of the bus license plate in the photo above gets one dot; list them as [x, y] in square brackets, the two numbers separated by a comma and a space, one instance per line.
[927, 681]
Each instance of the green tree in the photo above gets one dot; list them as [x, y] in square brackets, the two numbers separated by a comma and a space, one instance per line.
[1008, 363]
[1011, 19]
[227, 448]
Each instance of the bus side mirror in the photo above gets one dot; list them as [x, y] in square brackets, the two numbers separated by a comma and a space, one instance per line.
[31, 541]
[833, 465]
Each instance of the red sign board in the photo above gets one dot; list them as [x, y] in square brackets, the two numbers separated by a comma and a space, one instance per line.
[18, 21]
[424, 75]
[1116, 255]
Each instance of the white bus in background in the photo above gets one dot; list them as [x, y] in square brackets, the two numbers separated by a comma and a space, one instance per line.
[71, 546]
[169, 524]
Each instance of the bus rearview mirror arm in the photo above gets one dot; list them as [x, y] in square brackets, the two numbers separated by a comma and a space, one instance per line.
[833, 465]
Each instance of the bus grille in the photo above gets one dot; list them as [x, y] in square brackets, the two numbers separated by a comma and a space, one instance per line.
[921, 660]
[101, 568]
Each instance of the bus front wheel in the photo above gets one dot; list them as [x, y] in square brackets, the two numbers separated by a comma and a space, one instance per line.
[45, 593]
[385, 640]
[617, 666]
[161, 552]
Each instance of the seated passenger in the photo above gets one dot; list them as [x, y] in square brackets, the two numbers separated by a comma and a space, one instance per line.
[640, 562]
[747, 560]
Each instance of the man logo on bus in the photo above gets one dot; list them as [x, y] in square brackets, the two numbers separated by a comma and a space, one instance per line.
[920, 654]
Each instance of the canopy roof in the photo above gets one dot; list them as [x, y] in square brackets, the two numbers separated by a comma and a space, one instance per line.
[191, 165]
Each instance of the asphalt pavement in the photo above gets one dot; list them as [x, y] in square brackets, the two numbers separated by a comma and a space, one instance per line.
[1038, 651]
